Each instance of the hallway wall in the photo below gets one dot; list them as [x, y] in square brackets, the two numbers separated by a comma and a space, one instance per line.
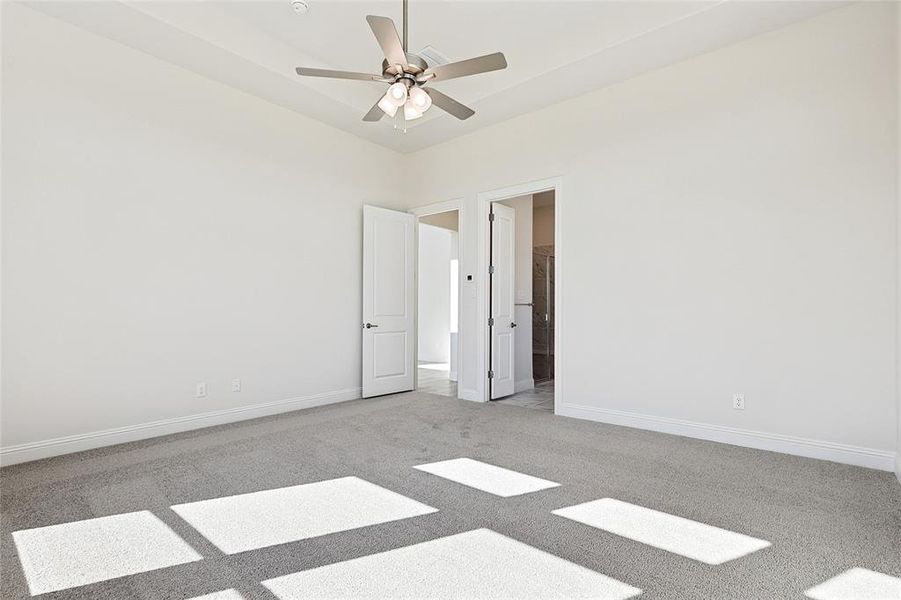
[435, 252]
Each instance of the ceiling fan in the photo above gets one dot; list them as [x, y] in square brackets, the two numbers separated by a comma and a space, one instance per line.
[408, 74]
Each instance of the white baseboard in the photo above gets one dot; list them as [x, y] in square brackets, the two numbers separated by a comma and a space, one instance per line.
[883, 460]
[472, 395]
[452, 375]
[523, 384]
[20, 453]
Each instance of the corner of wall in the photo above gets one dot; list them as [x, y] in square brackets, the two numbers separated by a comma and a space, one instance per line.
[898, 232]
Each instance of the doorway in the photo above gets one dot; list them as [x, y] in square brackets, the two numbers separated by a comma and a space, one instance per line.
[543, 287]
[438, 302]
[521, 289]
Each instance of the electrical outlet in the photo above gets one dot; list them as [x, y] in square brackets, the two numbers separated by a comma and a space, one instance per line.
[201, 390]
[236, 385]
[738, 401]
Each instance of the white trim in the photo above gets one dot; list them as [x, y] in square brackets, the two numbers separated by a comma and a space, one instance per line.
[471, 395]
[11, 455]
[872, 458]
[523, 385]
[436, 208]
[484, 199]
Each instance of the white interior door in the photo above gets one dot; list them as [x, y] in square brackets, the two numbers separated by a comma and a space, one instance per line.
[502, 325]
[388, 334]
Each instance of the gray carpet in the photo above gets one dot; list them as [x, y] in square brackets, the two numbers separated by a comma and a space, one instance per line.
[822, 518]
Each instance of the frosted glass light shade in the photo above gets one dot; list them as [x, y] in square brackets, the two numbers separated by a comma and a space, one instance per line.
[387, 106]
[421, 99]
[397, 93]
[410, 111]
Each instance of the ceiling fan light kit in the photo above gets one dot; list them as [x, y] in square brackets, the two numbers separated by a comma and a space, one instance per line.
[408, 74]
[397, 93]
[420, 99]
[411, 112]
[387, 106]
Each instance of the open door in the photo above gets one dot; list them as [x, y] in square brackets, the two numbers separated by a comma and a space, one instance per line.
[501, 324]
[388, 269]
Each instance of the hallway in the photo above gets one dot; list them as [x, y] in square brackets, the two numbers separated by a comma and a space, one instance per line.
[540, 398]
[433, 379]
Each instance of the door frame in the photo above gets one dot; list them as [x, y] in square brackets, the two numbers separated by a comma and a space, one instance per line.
[483, 206]
[458, 205]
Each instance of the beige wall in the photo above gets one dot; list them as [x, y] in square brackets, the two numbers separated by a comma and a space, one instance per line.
[543, 226]
[543, 215]
[445, 220]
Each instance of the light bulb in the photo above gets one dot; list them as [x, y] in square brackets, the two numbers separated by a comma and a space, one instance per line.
[397, 94]
[421, 99]
[410, 111]
[387, 105]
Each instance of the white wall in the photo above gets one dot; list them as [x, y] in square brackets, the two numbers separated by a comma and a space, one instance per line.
[898, 229]
[435, 253]
[159, 230]
[731, 222]
[522, 277]
[728, 225]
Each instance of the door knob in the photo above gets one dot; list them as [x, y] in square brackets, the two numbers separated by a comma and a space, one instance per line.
[369, 325]
[512, 324]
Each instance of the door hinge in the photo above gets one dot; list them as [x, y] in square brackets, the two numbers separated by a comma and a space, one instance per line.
[490, 374]
[491, 269]
[490, 321]
[491, 216]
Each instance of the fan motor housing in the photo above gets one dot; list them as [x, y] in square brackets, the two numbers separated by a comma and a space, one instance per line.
[415, 66]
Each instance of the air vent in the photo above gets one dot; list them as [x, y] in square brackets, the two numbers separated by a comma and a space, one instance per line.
[433, 57]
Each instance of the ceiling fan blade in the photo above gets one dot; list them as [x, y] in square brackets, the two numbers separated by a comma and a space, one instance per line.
[306, 72]
[375, 113]
[386, 35]
[449, 105]
[463, 68]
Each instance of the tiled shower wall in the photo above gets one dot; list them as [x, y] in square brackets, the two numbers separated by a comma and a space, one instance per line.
[543, 312]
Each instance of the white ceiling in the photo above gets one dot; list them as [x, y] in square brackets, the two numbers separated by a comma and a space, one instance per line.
[555, 49]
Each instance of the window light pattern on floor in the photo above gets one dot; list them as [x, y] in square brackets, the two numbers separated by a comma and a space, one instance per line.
[857, 584]
[259, 519]
[223, 595]
[475, 564]
[478, 564]
[679, 535]
[488, 478]
[68, 555]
